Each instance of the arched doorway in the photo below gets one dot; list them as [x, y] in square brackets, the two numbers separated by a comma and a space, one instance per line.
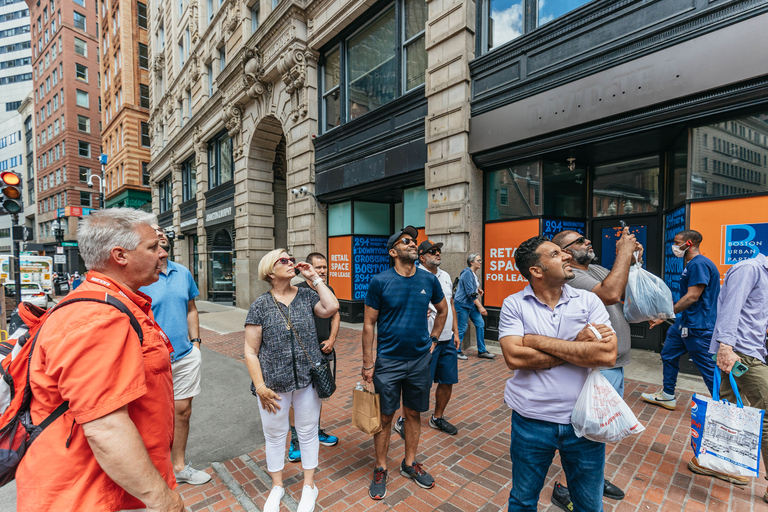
[221, 265]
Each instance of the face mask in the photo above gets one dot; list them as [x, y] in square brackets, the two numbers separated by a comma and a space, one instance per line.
[679, 251]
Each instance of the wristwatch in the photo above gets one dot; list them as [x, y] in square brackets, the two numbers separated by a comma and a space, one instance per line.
[196, 340]
[433, 339]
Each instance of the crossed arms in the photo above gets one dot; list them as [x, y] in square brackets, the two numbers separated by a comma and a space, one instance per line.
[537, 352]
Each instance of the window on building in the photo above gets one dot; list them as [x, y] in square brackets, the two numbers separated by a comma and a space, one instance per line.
[79, 20]
[220, 160]
[82, 98]
[141, 10]
[188, 179]
[144, 95]
[626, 187]
[379, 63]
[143, 56]
[81, 72]
[80, 3]
[166, 194]
[84, 149]
[145, 173]
[222, 58]
[145, 135]
[83, 123]
[189, 103]
[522, 182]
[181, 54]
[85, 199]
[254, 17]
[210, 80]
[85, 173]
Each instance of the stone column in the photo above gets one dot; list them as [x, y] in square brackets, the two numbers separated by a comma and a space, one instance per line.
[201, 162]
[454, 184]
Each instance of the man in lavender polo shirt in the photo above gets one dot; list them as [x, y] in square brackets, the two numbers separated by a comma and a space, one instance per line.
[545, 338]
[739, 335]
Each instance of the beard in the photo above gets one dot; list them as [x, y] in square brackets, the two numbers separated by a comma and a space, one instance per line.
[405, 256]
[584, 256]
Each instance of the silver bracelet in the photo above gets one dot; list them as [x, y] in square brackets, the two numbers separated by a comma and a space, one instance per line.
[369, 368]
[317, 281]
[260, 386]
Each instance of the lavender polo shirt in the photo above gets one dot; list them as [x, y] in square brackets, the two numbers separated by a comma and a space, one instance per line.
[742, 308]
[548, 395]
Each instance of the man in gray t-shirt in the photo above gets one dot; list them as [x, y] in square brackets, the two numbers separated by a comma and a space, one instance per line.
[609, 287]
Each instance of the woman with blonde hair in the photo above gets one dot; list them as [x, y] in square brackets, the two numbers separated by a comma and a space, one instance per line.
[280, 349]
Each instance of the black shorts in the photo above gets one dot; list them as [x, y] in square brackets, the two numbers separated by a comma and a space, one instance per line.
[412, 379]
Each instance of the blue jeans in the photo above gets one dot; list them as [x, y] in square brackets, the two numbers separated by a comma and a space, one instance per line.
[532, 447]
[616, 377]
[466, 312]
[697, 346]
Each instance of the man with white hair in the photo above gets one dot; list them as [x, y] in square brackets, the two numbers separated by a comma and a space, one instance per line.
[111, 451]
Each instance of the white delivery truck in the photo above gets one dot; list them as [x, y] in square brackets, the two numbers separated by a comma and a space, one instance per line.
[32, 269]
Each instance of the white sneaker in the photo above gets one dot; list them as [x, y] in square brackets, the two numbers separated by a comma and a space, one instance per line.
[308, 497]
[273, 501]
[190, 475]
[660, 398]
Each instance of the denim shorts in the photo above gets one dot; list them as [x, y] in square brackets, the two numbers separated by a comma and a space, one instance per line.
[393, 377]
[445, 363]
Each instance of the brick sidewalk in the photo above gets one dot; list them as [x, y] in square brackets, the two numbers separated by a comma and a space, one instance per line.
[472, 470]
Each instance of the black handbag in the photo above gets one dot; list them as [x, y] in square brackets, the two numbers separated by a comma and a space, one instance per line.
[323, 378]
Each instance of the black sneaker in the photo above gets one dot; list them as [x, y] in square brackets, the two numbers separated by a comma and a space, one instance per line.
[561, 498]
[400, 427]
[441, 424]
[378, 489]
[416, 472]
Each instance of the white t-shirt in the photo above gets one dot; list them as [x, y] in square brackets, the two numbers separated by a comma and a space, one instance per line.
[445, 282]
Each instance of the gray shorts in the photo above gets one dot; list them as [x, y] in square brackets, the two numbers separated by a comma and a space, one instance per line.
[411, 379]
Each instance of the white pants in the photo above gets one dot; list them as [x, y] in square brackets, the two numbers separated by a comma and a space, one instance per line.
[306, 415]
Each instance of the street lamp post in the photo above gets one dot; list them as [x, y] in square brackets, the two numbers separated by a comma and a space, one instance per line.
[101, 188]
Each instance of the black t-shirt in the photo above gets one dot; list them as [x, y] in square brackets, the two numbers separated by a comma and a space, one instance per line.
[322, 325]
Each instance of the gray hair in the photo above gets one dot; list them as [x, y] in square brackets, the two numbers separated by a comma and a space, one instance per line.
[103, 230]
[471, 258]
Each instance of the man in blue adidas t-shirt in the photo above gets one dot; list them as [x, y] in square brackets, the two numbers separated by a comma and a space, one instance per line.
[692, 332]
[397, 303]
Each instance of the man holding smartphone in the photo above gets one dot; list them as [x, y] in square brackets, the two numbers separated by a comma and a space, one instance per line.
[739, 339]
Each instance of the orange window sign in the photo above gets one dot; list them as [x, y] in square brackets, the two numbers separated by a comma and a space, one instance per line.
[501, 276]
[340, 266]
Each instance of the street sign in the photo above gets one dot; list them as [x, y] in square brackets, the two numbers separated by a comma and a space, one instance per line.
[59, 259]
[60, 250]
[69, 244]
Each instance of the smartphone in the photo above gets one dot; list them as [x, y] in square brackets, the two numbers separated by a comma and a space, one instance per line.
[623, 224]
[738, 369]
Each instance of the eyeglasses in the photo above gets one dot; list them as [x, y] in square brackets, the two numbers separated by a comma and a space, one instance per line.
[579, 240]
[407, 241]
[285, 261]
[434, 251]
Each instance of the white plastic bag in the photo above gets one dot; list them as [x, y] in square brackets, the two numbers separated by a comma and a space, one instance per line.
[647, 297]
[600, 414]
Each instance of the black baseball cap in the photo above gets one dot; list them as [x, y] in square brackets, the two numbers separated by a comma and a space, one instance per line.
[426, 245]
[407, 230]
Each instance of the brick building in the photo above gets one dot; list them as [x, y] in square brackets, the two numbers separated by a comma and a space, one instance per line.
[67, 106]
[125, 93]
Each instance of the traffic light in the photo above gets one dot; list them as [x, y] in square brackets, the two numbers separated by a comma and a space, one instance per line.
[11, 192]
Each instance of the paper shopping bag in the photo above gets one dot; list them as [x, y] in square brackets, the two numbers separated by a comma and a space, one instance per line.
[366, 412]
[726, 437]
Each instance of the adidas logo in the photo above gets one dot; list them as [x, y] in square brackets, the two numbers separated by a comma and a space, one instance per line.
[423, 292]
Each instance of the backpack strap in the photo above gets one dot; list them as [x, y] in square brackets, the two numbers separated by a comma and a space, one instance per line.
[100, 297]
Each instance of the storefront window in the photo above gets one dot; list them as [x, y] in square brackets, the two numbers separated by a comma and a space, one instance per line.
[373, 66]
[221, 269]
[627, 187]
[340, 219]
[194, 258]
[513, 192]
[371, 218]
[188, 180]
[166, 197]
[730, 158]
[678, 160]
[564, 190]
[331, 100]
[414, 206]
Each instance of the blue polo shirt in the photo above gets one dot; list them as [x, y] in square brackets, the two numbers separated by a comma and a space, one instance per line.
[402, 303]
[170, 301]
[702, 314]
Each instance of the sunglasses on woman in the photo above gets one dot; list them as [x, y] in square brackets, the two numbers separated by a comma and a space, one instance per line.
[285, 261]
